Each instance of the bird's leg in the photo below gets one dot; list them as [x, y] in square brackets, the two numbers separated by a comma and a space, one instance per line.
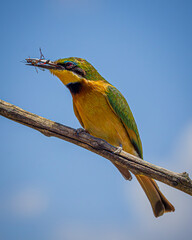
[119, 149]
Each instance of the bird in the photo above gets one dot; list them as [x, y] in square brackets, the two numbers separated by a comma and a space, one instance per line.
[104, 113]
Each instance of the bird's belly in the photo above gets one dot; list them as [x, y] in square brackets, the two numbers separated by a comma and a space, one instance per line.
[99, 119]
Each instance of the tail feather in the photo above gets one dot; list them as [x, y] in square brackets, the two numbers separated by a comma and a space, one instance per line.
[159, 203]
[124, 171]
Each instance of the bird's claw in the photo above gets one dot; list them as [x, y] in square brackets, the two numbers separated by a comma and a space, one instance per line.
[118, 150]
[80, 130]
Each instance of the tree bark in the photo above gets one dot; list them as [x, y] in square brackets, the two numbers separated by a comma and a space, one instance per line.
[136, 165]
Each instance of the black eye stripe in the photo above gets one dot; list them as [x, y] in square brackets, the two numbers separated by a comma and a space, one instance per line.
[69, 64]
[73, 67]
[79, 71]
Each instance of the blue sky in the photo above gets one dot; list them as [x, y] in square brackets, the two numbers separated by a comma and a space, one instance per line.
[51, 189]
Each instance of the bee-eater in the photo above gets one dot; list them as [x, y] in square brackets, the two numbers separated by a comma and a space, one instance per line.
[104, 113]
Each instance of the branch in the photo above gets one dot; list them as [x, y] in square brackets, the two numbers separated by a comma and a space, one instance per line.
[136, 165]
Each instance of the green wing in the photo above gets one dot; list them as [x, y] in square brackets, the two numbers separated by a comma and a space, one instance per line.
[123, 111]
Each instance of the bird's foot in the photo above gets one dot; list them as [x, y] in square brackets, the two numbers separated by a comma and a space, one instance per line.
[119, 149]
[80, 130]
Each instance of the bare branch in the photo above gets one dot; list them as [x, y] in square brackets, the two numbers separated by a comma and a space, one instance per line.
[136, 165]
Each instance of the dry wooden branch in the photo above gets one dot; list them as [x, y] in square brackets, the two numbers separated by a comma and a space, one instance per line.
[136, 165]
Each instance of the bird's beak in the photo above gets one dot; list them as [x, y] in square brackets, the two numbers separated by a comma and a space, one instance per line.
[42, 63]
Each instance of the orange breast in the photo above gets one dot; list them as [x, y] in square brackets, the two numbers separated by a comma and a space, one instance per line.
[97, 116]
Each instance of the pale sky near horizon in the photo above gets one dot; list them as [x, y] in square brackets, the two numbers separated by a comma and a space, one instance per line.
[53, 190]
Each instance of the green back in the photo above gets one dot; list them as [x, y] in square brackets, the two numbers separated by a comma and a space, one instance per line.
[123, 111]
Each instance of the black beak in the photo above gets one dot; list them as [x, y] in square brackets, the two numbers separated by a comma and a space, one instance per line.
[42, 63]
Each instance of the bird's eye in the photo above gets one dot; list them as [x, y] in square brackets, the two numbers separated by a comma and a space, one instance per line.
[69, 65]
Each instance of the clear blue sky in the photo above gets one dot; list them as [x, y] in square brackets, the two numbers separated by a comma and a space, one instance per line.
[51, 189]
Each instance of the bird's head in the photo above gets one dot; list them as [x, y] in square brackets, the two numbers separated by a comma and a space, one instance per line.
[68, 70]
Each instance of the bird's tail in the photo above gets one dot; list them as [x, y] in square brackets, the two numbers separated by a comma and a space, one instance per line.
[158, 201]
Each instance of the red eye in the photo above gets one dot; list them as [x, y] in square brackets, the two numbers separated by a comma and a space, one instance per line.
[68, 64]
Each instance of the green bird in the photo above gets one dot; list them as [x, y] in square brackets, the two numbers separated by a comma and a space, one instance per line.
[103, 112]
